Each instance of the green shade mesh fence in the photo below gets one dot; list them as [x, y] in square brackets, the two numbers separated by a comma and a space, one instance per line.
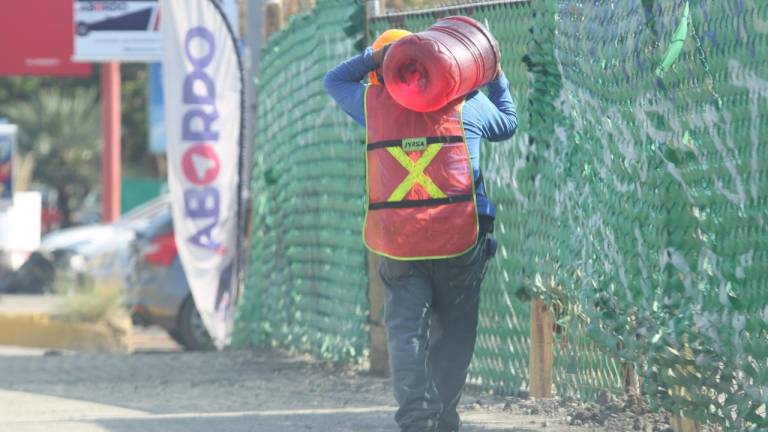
[633, 199]
[655, 171]
[307, 283]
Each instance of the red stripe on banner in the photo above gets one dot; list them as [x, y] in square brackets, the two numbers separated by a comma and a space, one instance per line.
[157, 19]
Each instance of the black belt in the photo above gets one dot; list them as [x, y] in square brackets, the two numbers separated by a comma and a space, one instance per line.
[419, 203]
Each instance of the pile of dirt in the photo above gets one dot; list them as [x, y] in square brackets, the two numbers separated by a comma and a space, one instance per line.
[610, 413]
[628, 413]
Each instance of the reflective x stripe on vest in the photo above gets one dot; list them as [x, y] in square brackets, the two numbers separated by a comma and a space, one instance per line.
[398, 149]
[415, 172]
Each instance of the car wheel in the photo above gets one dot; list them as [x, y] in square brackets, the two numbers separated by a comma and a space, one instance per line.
[176, 336]
[192, 333]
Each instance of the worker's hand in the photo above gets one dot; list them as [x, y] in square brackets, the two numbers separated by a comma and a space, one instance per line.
[498, 68]
[378, 55]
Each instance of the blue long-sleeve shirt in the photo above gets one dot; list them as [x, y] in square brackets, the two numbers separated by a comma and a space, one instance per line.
[493, 117]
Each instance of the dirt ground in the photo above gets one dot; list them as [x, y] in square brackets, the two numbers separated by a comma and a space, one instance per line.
[160, 388]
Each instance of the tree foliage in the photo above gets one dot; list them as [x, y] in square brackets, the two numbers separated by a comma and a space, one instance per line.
[134, 137]
[135, 128]
[60, 136]
[60, 129]
[62, 132]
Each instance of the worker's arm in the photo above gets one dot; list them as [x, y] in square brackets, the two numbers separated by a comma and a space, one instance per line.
[496, 115]
[344, 84]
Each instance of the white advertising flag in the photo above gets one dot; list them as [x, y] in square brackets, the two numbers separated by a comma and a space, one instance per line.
[203, 90]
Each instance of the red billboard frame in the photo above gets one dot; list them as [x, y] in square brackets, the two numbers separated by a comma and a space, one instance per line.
[37, 38]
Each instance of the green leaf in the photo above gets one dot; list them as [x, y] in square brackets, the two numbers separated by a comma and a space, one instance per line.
[676, 46]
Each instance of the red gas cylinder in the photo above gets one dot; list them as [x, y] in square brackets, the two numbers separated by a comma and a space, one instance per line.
[426, 70]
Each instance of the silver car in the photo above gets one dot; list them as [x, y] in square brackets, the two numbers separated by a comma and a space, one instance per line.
[137, 253]
[157, 290]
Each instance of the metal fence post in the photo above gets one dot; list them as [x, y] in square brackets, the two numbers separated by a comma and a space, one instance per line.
[379, 354]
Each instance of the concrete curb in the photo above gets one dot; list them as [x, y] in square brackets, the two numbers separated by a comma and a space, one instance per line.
[39, 330]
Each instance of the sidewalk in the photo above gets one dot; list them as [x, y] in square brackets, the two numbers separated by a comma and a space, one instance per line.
[7, 351]
[231, 391]
[32, 321]
[28, 304]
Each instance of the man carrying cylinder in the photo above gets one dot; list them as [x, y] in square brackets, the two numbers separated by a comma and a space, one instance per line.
[427, 214]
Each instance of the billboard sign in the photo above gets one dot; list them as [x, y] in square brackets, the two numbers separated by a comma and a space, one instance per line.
[38, 43]
[125, 30]
[121, 30]
[7, 156]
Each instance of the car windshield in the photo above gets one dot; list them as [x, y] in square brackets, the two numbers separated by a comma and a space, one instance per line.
[144, 213]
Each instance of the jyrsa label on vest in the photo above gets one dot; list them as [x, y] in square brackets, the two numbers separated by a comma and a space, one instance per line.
[414, 144]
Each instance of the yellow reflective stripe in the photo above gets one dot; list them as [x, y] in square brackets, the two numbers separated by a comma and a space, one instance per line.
[416, 172]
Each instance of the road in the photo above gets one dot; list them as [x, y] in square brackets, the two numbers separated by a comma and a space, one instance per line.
[166, 390]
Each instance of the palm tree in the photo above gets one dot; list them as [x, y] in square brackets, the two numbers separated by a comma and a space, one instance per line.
[60, 135]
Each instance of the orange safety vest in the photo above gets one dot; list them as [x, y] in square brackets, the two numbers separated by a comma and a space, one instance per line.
[420, 187]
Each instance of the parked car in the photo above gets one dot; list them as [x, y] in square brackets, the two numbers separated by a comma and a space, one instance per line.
[89, 210]
[138, 253]
[74, 257]
[157, 290]
[50, 216]
[35, 276]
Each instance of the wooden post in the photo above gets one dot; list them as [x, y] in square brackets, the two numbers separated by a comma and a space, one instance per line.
[374, 8]
[290, 8]
[542, 349]
[377, 334]
[295, 7]
[631, 380]
[682, 424]
[678, 422]
[306, 5]
[273, 18]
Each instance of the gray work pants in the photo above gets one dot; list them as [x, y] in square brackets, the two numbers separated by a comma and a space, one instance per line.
[431, 315]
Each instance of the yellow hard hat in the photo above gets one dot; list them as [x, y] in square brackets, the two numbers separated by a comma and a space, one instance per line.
[384, 39]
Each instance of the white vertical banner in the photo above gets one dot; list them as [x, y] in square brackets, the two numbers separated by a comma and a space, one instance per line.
[203, 90]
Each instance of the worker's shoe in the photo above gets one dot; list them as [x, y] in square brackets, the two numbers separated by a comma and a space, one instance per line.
[449, 424]
[428, 426]
[447, 428]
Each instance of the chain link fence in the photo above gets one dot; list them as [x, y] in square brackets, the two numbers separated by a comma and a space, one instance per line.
[307, 286]
[655, 170]
[633, 198]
